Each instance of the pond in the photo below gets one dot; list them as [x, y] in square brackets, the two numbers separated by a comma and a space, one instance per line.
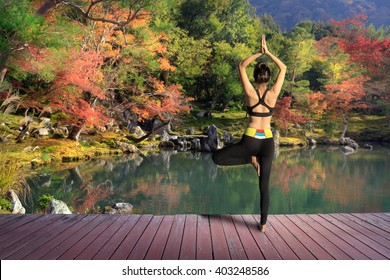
[319, 180]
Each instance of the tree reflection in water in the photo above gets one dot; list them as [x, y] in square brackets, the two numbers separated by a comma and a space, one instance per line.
[320, 180]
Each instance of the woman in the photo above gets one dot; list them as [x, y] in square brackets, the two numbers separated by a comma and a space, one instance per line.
[257, 144]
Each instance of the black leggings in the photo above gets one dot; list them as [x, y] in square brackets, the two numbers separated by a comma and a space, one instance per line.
[241, 153]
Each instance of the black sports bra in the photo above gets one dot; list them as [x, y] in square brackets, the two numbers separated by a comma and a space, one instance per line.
[260, 102]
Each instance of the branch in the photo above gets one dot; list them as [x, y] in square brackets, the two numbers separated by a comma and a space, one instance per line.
[133, 11]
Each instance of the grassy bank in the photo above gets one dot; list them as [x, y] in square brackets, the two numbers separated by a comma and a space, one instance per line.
[46, 151]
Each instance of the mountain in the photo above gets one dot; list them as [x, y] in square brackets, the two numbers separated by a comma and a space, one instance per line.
[288, 13]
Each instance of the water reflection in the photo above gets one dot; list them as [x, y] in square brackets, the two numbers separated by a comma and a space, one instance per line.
[320, 180]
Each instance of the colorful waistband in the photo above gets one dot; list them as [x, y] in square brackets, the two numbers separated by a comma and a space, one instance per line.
[258, 133]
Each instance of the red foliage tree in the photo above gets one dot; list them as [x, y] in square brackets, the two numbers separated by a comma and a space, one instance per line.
[285, 117]
[343, 97]
[371, 53]
[74, 90]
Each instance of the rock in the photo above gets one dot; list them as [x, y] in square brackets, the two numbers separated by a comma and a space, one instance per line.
[137, 132]
[368, 147]
[60, 132]
[311, 141]
[45, 122]
[36, 162]
[213, 141]
[228, 139]
[165, 136]
[349, 142]
[39, 132]
[127, 148]
[58, 207]
[347, 150]
[195, 144]
[121, 208]
[167, 145]
[101, 129]
[276, 136]
[17, 207]
[190, 131]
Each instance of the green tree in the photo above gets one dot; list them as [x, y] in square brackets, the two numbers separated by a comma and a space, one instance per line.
[299, 56]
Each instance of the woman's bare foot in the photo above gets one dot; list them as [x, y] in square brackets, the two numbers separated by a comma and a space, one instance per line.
[262, 227]
[256, 165]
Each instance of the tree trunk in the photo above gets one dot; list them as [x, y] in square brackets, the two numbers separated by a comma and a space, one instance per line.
[345, 120]
[47, 6]
[74, 133]
[25, 129]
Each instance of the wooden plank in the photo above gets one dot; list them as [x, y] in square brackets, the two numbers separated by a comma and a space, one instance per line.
[203, 241]
[218, 239]
[85, 241]
[95, 246]
[322, 227]
[172, 249]
[381, 216]
[72, 241]
[378, 234]
[263, 242]
[300, 250]
[39, 238]
[233, 241]
[364, 249]
[143, 244]
[188, 245]
[7, 218]
[124, 250]
[316, 250]
[332, 249]
[53, 243]
[159, 242]
[374, 249]
[111, 246]
[18, 221]
[249, 244]
[21, 232]
[373, 220]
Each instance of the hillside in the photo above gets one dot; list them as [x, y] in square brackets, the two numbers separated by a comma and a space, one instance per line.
[287, 13]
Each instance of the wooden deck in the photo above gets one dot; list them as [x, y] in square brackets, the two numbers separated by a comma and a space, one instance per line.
[102, 237]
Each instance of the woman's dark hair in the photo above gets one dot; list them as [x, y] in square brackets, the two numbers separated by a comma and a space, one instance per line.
[262, 74]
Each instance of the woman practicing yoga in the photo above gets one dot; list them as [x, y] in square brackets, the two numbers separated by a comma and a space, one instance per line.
[257, 144]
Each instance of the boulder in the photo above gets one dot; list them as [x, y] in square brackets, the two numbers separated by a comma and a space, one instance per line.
[58, 207]
[276, 136]
[60, 132]
[46, 123]
[311, 141]
[121, 208]
[164, 136]
[17, 207]
[190, 131]
[213, 142]
[347, 150]
[346, 141]
[228, 139]
[39, 132]
[195, 144]
[137, 132]
[127, 148]
[167, 145]
[368, 147]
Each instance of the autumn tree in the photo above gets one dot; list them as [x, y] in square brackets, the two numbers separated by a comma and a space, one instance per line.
[343, 97]
[285, 117]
